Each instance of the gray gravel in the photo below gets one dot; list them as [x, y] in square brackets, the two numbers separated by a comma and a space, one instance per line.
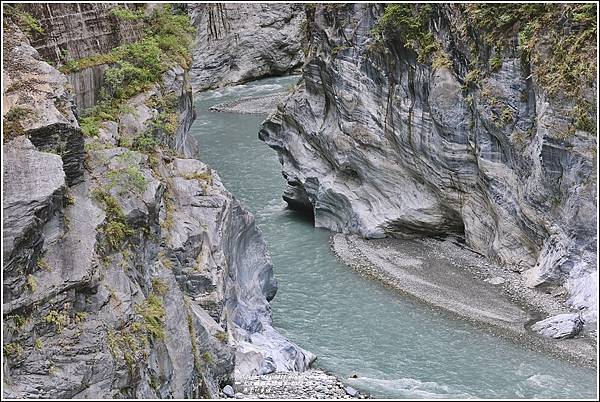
[250, 105]
[447, 275]
[310, 384]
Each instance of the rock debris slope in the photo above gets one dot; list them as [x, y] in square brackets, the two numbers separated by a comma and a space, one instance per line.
[432, 119]
[129, 270]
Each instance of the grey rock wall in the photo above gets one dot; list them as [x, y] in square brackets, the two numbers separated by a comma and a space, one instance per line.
[76, 30]
[126, 274]
[242, 42]
[374, 142]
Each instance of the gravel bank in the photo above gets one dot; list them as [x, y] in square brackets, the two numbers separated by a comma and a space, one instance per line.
[250, 105]
[310, 384]
[445, 274]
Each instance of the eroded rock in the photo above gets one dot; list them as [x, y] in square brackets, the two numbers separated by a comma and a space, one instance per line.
[242, 42]
[559, 326]
[378, 143]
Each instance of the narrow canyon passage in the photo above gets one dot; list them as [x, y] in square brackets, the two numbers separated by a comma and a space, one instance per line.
[396, 347]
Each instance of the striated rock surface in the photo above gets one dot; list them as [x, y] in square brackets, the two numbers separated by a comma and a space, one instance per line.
[132, 273]
[380, 141]
[71, 31]
[242, 42]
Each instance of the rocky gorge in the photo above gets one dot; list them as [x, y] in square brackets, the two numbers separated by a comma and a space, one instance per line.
[129, 270]
[415, 120]
[427, 136]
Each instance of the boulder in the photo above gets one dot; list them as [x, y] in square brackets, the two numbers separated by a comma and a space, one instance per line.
[559, 326]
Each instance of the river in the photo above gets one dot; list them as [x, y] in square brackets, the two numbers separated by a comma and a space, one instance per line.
[396, 347]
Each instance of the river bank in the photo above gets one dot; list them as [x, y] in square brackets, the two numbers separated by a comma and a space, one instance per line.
[447, 275]
[250, 105]
[361, 331]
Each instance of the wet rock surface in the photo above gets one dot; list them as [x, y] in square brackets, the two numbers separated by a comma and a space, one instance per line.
[242, 42]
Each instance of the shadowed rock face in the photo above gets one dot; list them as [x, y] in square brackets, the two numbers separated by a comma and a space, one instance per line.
[242, 42]
[376, 143]
[136, 275]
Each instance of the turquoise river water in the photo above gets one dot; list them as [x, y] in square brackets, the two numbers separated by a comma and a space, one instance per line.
[396, 347]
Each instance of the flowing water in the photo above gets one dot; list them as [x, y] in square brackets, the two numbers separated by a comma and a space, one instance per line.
[396, 347]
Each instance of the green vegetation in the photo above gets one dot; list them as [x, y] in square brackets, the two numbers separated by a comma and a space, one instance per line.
[409, 24]
[59, 320]
[80, 316]
[581, 117]
[116, 228]
[13, 350]
[201, 176]
[559, 38]
[507, 116]
[441, 60]
[31, 283]
[166, 121]
[144, 143]
[129, 178]
[127, 344]
[42, 263]
[208, 357]
[11, 123]
[165, 260]
[153, 311]
[18, 320]
[69, 199]
[89, 126]
[137, 66]
[131, 343]
[105, 109]
[90, 61]
[159, 287]
[472, 78]
[336, 50]
[38, 344]
[127, 14]
[221, 336]
[495, 64]
[192, 332]
[27, 22]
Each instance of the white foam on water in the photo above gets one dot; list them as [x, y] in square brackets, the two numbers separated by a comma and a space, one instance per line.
[541, 380]
[413, 388]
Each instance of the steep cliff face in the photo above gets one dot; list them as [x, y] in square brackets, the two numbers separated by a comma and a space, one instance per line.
[412, 120]
[129, 270]
[72, 31]
[242, 42]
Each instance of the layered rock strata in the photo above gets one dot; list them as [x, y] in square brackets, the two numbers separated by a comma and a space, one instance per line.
[128, 272]
[379, 142]
[243, 42]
